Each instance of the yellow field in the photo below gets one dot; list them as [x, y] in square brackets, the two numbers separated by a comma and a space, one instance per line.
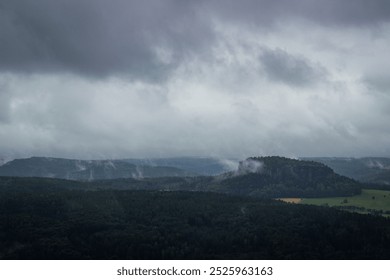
[291, 200]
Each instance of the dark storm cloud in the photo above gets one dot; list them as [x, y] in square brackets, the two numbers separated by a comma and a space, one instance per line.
[280, 66]
[144, 38]
[97, 37]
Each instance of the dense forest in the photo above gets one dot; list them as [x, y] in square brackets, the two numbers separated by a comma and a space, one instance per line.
[56, 223]
[230, 216]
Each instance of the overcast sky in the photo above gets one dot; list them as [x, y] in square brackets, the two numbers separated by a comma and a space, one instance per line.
[114, 79]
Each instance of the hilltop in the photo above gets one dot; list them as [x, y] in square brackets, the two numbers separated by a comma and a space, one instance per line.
[283, 177]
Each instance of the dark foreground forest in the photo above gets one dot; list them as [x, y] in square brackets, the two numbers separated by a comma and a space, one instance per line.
[59, 223]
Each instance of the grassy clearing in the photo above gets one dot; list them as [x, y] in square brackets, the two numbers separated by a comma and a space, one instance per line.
[368, 199]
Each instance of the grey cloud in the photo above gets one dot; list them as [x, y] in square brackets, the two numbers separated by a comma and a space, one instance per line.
[378, 82]
[281, 66]
[103, 38]
[4, 105]
[76, 118]
[329, 12]
[97, 37]
[195, 87]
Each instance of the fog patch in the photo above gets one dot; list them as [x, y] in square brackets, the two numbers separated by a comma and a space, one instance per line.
[228, 164]
[138, 174]
[378, 165]
[250, 166]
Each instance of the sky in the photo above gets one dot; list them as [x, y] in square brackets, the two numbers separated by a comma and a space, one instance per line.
[94, 79]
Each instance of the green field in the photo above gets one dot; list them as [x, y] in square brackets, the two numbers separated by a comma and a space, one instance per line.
[369, 201]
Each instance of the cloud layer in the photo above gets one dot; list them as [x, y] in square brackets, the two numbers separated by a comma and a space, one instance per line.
[98, 79]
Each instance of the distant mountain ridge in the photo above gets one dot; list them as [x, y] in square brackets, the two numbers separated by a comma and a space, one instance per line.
[264, 177]
[72, 169]
[374, 170]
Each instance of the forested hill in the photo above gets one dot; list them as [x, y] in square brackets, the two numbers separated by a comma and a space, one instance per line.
[85, 169]
[284, 177]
